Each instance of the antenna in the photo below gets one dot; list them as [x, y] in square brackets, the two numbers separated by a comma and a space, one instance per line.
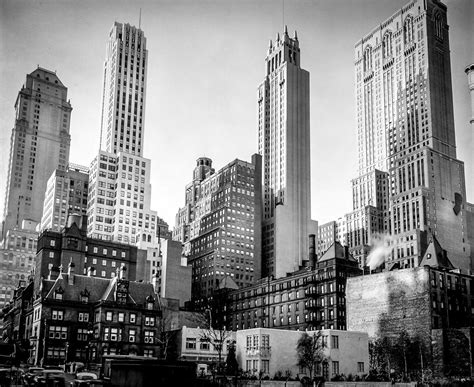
[283, 13]
[140, 20]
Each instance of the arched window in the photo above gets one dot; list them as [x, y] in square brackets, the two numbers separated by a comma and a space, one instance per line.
[368, 59]
[387, 45]
[439, 26]
[408, 29]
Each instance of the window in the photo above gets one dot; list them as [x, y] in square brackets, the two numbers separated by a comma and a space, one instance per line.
[190, 343]
[57, 315]
[150, 337]
[51, 254]
[133, 318]
[121, 317]
[83, 317]
[265, 366]
[52, 243]
[148, 353]
[115, 334]
[58, 295]
[108, 316]
[82, 334]
[205, 345]
[57, 332]
[335, 368]
[335, 341]
[132, 335]
[360, 366]
[149, 321]
[106, 333]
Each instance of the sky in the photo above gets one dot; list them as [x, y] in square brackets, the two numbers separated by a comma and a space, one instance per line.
[205, 62]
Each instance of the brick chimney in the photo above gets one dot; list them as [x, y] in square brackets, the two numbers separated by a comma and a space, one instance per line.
[53, 273]
[70, 273]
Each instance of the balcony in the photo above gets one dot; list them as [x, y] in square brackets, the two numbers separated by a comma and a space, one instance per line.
[261, 352]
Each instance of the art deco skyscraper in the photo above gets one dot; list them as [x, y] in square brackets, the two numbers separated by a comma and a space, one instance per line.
[39, 144]
[119, 177]
[405, 128]
[284, 143]
[123, 99]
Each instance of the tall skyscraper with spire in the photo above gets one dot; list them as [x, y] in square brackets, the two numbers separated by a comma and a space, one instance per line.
[410, 183]
[284, 144]
[119, 182]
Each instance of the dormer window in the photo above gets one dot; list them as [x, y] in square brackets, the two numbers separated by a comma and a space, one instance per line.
[150, 301]
[58, 293]
[85, 296]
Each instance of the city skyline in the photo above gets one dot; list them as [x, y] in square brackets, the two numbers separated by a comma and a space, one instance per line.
[194, 94]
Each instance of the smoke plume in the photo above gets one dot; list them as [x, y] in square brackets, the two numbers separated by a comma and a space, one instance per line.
[382, 247]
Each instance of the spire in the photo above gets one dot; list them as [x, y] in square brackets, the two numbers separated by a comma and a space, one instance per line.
[286, 30]
[271, 44]
[296, 36]
[278, 37]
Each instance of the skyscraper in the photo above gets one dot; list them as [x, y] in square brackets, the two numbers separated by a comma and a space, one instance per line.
[124, 90]
[405, 128]
[220, 226]
[284, 143]
[39, 144]
[119, 183]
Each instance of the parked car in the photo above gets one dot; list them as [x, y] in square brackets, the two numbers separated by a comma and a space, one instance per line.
[29, 375]
[50, 378]
[83, 379]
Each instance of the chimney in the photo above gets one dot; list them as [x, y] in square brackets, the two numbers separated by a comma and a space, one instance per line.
[90, 271]
[53, 273]
[70, 273]
[312, 251]
[154, 282]
[122, 274]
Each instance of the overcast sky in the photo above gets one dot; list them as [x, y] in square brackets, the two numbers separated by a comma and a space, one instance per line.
[206, 60]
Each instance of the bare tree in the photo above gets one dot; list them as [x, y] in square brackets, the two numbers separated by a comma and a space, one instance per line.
[310, 351]
[215, 337]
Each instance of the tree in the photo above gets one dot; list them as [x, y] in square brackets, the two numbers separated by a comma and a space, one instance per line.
[215, 337]
[231, 361]
[167, 332]
[310, 350]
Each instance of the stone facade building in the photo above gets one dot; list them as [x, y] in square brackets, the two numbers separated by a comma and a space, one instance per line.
[431, 303]
[39, 144]
[81, 318]
[17, 259]
[405, 129]
[264, 351]
[119, 202]
[220, 226]
[98, 257]
[66, 194]
[284, 144]
[311, 298]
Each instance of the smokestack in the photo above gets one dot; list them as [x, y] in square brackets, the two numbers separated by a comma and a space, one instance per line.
[312, 251]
